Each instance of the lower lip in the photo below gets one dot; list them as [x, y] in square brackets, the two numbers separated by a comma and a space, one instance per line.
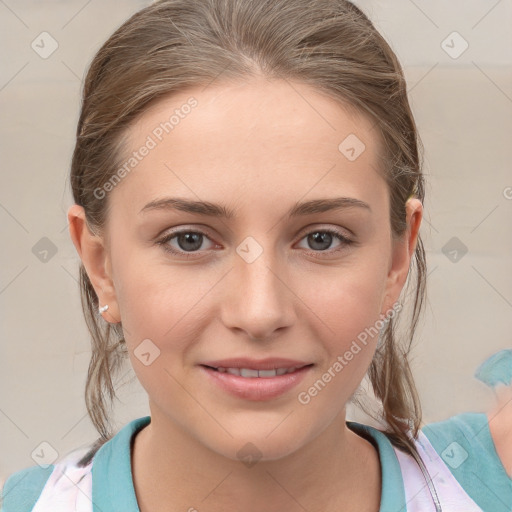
[256, 388]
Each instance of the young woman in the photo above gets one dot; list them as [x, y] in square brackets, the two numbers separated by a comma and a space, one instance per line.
[248, 190]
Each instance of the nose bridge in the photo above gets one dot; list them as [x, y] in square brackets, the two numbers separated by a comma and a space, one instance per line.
[258, 297]
[256, 265]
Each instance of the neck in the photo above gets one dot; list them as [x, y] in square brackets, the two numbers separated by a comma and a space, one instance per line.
[337, 470]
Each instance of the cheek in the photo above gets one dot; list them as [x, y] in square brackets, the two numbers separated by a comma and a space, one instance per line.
[349, 311]
[160, 302]
[350, 301]
[162, 325]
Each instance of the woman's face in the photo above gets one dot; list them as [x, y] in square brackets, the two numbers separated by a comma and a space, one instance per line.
[267, 286]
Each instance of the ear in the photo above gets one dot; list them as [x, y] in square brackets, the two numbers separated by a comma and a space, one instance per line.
[95, 257]
[402, 252]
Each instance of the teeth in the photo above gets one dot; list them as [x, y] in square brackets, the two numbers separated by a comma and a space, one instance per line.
[267, 373]
[245, 372]
[250, 373]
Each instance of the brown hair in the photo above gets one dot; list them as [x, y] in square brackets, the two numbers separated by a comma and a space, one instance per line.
[174, 44]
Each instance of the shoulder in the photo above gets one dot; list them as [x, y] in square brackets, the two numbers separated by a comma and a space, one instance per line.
[68, 482]
[469, 429]
[23, 488]
[462, 440]
[465, 445]
[32, 486]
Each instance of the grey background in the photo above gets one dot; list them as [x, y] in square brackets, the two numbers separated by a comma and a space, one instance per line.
[463, 110]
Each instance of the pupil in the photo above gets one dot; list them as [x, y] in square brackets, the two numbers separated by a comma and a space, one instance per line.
[189, 238]
[320, 237]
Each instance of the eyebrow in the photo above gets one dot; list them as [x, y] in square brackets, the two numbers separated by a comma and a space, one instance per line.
[221, 211]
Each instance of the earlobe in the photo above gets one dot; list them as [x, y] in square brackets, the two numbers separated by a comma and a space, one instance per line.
[95, 258]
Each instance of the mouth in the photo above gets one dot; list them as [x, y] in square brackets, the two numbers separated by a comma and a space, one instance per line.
[252, 373]
[256, 380]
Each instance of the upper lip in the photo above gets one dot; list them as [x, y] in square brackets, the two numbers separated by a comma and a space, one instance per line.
[256, 364]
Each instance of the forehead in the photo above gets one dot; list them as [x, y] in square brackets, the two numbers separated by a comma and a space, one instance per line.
[258, 139]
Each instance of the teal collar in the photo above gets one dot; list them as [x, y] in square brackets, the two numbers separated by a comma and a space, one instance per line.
[392, 497]
[112, 479]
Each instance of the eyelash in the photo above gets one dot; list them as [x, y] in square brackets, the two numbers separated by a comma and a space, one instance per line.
[338, 234]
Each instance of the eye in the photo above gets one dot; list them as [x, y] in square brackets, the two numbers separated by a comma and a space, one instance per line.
[188, 242]
[321, 239]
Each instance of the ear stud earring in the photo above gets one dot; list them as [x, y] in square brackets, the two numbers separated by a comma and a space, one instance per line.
[102, 309]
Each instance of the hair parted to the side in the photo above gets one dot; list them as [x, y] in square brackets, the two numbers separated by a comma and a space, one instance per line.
[330, 45]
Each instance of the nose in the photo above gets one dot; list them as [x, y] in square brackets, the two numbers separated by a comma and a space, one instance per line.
[258, 299]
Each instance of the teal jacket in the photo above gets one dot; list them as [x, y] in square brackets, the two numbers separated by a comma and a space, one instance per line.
[463, 443]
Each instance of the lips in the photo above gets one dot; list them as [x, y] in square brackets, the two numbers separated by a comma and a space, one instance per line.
[258, 380]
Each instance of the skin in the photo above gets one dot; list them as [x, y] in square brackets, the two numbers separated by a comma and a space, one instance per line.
[258, 147]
